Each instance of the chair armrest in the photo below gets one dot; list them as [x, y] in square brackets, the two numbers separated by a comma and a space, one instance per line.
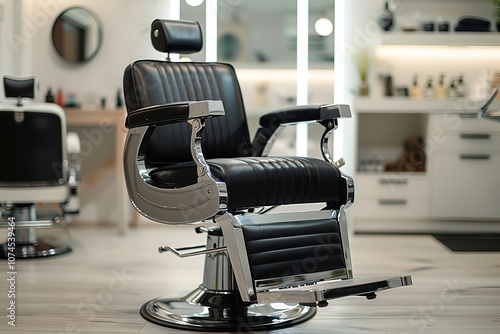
[173, 113]
[305, 113]
[273, 123]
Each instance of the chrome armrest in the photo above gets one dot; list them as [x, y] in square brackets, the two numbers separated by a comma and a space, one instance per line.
[72, 206]
[272, 124]
[189, 204]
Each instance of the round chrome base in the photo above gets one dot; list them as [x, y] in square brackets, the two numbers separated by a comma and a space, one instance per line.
[34, 250]
[222, 311]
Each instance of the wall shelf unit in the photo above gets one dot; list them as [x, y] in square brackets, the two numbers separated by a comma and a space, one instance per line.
[442, 39]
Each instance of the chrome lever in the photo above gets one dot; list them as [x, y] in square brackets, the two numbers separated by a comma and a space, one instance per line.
[339, 163]
[185, 251]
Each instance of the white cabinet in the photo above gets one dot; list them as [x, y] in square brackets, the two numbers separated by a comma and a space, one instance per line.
[465, 166]
[460, 182]
[391, 196]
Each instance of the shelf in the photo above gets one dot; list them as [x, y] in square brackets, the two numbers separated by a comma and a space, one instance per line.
[406, 105]
[433, 38]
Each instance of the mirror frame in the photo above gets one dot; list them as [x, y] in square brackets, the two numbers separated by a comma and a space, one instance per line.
[98, 22]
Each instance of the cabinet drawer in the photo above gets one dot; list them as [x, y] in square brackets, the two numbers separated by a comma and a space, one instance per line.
[390, 185]
[470, 142]
[466, 186]
[454, 122]
[391, 208]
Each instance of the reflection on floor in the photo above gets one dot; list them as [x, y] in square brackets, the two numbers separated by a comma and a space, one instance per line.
[100, 286]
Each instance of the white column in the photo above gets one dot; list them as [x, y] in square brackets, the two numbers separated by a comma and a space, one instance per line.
[302, 71]
[211, 31]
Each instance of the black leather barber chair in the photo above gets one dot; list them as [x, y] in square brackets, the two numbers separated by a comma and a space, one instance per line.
[39, 173]
[189, 159]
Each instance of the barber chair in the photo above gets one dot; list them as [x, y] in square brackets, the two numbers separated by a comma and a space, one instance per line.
[189, 159]
[39, 174]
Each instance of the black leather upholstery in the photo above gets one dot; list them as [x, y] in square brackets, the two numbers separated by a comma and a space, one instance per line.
[263, 181]
[148, 83]
[36, 156]
[19, 87]
[176, 36]
[287, 248]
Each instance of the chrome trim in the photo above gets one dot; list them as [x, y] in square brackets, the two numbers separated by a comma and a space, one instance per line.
[202, 168]
[26, 241]
[330, 126]
[186, 251]
[340, 217]
[170, 206]
[29, 224]
[31, 184]
[328, 290]
[272, 140]
[218, 273]
[207, 310]
[288, 281]
[205, 108]
[236, 248]
[350, 191]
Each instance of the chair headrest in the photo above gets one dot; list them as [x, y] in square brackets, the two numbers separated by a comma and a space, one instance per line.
[176, 36]
[19, 88]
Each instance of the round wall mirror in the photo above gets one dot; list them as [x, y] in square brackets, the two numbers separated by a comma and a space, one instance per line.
[77, 34]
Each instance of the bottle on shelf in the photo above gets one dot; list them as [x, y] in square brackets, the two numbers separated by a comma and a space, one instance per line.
[119, 102]
[460, 86]
[60, 98]
[415, 92]
[429, 90]
[386, 18]
[388, 87]
[441, 90]
[452, 90]
[49, 97]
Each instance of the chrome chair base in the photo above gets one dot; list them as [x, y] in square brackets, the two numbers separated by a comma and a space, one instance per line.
[216, 311]
[39, 249]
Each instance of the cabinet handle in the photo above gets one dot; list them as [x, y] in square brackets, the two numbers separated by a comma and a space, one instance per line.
[392, 181]
[475, 156]
[392, 201]
[468, 115]
[475, 136]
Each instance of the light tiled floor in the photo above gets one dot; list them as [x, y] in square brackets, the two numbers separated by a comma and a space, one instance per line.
[100, 286]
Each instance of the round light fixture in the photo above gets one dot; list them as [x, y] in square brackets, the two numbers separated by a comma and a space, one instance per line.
[194, 3]
[323, 26]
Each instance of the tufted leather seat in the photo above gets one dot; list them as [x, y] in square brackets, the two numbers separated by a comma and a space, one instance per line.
[263, 181]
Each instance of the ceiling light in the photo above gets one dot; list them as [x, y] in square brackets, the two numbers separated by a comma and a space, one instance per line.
[323, 26]
[194, 3]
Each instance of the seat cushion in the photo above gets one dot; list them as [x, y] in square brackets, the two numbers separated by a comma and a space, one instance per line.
[263, 181]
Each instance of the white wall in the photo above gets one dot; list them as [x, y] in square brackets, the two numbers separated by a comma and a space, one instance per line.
[125, 39]
[26, 50]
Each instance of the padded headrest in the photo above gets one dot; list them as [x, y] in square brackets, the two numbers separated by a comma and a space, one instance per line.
[19, 87]
[176, 36]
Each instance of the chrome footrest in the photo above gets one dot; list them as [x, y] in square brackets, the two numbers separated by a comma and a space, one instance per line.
[28, 224]
[326, 290]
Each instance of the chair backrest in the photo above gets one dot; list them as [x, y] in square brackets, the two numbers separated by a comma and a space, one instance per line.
[33, 144]
[155, 82]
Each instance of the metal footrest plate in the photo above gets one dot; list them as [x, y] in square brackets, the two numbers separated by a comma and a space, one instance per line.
[327, 290]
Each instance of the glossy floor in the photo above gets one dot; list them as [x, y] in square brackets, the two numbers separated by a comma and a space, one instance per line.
[100, 286]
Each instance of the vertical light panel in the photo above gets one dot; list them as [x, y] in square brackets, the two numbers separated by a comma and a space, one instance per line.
[302, 70]
[339, 66]
[211, 31]
[174, 9]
